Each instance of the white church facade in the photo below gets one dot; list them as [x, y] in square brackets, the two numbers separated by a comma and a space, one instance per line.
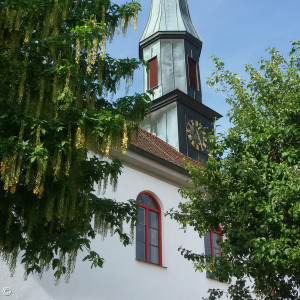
[152, 267]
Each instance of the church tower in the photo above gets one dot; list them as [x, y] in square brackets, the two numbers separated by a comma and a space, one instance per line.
[172, 46]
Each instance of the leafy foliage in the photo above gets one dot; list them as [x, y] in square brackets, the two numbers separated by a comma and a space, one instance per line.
[251, 182]
[55, 80]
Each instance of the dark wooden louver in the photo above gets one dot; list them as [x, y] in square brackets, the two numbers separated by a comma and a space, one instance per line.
[193, 73]
[153, 73]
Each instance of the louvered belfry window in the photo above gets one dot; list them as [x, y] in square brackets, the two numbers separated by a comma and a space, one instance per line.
[193, 73]
[152, 73]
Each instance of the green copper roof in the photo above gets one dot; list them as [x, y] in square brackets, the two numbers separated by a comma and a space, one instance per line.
[169, 15]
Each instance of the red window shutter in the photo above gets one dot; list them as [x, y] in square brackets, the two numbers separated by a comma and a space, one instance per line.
[193, 73]
[153, 73]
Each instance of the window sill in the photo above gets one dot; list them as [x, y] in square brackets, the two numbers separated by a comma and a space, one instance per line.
[195, 89]
[152, 264]
[155, 87]
[213, 278]
[216, 279]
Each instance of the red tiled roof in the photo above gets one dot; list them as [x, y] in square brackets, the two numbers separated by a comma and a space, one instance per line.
[152, 144]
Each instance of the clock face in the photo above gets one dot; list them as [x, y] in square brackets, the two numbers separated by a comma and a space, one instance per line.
[195, 134]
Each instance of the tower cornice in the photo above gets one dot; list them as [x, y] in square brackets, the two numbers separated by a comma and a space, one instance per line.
[169, 35]
[179, 96]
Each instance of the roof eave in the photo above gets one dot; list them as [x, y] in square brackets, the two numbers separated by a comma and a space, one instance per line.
[168, 35]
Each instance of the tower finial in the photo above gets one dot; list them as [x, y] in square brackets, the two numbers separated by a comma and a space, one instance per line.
[169, 16]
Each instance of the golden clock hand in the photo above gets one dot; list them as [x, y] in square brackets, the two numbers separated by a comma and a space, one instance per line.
[198, 135]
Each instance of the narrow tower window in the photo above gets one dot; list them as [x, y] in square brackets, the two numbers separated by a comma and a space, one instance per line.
[148, 230]
[152, 73]
[193, 73]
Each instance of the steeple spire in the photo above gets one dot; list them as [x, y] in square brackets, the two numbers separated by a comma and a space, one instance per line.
[172, 47]
[169, 16]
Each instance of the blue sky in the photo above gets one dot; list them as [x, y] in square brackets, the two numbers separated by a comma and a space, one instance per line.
[236, 31]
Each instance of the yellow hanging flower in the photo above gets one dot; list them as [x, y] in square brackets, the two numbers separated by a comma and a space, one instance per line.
[18, 19]
[67, 88]
[3, 167]
[94, 52]
[18, 169]
[135, 17]
[124, 25]
[57, 164]
[65, 10]
[27, 34]
[40, 176]
[125, 139]
[69, 155]
[13, 189]
[103, 48]
[38, 136]
[11, 14]
[88, 61]
[107, 149]
[8, 172]
[79, 142]
[41, 190]
[54, 13]
[77, 57]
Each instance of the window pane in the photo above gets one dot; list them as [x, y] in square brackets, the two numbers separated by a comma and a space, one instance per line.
[139, 199]
[140, 251]
[140, 233]
[153, 236]
[153, 255]
[216, 237]
[141, 215]
[153, 219]
[207, 243]
[148, 201]
[153, 204]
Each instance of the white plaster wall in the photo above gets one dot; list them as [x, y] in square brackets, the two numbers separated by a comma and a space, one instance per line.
[124, 278]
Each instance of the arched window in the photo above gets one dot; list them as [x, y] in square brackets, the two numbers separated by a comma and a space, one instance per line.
[212, 245]
[148, 229]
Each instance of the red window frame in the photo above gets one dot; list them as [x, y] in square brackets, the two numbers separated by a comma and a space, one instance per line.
[212, 248]
[147, 245]
[152, 75]
[193, 76]
[219, 233]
